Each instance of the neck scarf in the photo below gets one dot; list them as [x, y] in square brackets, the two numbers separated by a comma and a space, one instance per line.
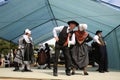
[81, 36]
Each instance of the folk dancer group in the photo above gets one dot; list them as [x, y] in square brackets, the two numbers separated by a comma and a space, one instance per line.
[74, 47]
[75, 50]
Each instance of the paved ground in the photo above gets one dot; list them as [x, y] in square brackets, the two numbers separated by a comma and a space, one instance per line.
[39, 74]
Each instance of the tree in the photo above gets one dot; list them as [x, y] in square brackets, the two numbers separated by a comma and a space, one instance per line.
[5, 46]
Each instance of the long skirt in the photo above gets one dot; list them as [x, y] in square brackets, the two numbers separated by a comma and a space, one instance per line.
[28, 53]
[19, 56]
[79, 55]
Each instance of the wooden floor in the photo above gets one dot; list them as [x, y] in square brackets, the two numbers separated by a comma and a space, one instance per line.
[40, 74]
[10, 78]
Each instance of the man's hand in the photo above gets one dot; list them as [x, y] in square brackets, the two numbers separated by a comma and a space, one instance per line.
[69, 34]
[57, 39]
[100, 44]
[65, 44]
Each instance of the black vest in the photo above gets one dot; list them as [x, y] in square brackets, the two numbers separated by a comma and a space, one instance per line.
[63, 36]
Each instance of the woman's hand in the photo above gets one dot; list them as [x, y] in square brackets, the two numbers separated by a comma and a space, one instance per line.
[57, 39]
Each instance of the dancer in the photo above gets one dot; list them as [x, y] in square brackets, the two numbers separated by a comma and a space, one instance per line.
[100, 52]
[28, 51]
[62, 44]
[79, 51]
[47, 51]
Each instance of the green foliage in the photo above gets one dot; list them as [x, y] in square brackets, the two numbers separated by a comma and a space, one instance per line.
[5, 46]
[52, 46]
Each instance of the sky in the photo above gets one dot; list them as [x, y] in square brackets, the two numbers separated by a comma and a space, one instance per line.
[50, 42]
[114, 2]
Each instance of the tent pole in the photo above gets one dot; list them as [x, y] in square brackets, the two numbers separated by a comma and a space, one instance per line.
[48, 3]
[112, 30]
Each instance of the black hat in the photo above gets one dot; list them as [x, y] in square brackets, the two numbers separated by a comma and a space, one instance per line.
[73, 22]
[98, 31]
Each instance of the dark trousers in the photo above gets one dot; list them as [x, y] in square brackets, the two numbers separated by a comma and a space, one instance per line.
[48, 60]
[103, 65]
[16, 65]
[91, 58]
[96, 52]
[96, 55]
[66, 55]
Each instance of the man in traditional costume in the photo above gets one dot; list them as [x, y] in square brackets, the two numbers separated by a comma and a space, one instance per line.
[100, 52]
[62, 44]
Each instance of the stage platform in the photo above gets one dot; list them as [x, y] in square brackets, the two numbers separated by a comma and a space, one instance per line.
[46, 74]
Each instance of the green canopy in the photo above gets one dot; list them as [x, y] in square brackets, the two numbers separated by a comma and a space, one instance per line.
[41, 16]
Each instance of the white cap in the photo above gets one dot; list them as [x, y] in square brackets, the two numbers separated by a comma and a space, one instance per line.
[27, 31]
[83, 27]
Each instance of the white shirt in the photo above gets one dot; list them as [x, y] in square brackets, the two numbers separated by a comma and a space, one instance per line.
[96, 39]
[59, 29]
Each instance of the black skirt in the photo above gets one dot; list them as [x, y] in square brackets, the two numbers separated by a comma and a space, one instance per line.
[79, 55]
[28, 53]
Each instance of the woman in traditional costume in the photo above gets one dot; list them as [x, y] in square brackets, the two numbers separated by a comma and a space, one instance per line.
[28, 51]
[80, 50]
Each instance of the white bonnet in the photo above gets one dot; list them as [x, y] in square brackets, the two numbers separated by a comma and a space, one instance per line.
[27, 31]
[83, 27]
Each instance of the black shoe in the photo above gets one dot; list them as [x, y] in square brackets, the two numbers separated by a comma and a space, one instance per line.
[23, 70]
[55, 72]
[68, 74]
[86, 73]
[16, 70]
[44, 68]
[39, 67]
[101, 71]
[106, 70]
[49, 67]
[73, 73]
[28, 70]
[97, 70]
